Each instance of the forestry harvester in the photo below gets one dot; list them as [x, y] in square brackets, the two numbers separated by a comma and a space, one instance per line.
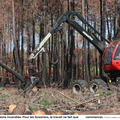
[110, 54]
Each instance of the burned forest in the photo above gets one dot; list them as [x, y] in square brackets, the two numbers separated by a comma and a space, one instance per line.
[59, 57]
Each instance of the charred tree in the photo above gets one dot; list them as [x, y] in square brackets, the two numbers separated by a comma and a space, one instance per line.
[85, 48]
[103, 30]
[117, 19]
[15, 43]
[22, 35]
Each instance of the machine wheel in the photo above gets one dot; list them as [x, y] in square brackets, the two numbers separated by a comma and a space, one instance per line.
[79, 87]
[96, 84]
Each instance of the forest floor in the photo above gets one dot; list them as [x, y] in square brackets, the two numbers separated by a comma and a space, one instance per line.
[60, 101]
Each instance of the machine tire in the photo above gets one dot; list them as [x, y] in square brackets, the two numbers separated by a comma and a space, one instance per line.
[79, 87]
[96, 84]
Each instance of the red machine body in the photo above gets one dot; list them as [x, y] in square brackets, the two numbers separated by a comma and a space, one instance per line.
[111, 57]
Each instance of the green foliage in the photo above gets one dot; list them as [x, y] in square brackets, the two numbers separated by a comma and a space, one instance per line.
[103, 92]
[108, 93]
[31, 108]
[72, 113]
[46, 103]
[1, 88]
[5, 95]
[19, 91]
[63, 110]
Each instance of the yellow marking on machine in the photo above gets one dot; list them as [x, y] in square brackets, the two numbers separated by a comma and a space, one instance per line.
[110, 81]
[44, 40]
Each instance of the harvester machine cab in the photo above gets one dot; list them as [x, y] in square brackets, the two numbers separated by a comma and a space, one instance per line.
[111, 60]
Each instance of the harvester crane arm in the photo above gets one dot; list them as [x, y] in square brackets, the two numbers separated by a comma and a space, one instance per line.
[65, 17]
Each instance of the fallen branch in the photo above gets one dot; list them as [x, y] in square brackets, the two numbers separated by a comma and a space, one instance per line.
[68, 97]
[76, 105]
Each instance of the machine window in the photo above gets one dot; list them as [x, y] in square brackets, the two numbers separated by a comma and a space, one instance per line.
[108, 56]
[117, 54]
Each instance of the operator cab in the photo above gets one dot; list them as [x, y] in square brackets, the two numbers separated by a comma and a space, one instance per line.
[111, 57]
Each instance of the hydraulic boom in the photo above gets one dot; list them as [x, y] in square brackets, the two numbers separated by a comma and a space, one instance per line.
[65, 18]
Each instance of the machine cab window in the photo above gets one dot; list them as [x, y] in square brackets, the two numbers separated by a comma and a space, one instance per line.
[117, 54]
[108, 56]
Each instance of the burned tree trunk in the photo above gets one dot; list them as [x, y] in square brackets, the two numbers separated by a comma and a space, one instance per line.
[117, 19]
[22, 35]
[15, 43]
[87, 77]
[103, 29]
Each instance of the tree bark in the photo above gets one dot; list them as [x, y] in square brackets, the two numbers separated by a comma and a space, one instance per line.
[85, 49]
[103, 30]
[22, 45]
[117, 19]
[15, 42]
